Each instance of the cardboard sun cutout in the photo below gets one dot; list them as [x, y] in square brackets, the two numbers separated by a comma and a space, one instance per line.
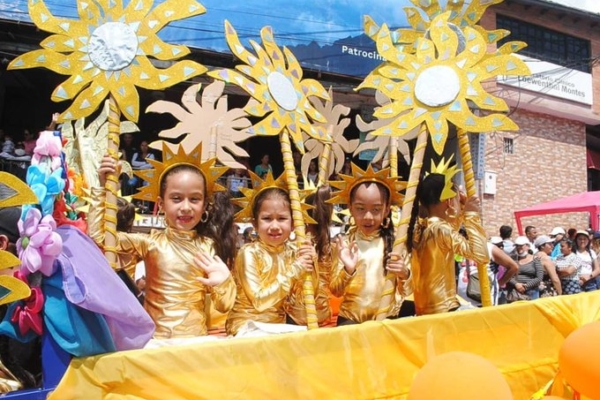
[274, 78]
[339, 145]
[462, 14]
[209, 122]
[106, 52]
[436, 85]
[381, 143]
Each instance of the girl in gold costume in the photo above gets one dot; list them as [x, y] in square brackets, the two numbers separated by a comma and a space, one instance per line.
[359, 276]
[266, 270]
[182, 268]
[437, 240]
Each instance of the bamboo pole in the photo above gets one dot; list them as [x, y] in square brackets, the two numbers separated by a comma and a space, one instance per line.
[465, 155]
[393, 156]
[402, 231]
[112, 184]
[299, 227]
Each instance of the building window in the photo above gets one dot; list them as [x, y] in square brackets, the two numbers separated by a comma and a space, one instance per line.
[509, 146]
[547, 45]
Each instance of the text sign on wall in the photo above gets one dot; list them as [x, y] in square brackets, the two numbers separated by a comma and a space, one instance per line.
[553, 80]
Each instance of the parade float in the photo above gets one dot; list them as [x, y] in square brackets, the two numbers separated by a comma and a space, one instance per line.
[432, 79]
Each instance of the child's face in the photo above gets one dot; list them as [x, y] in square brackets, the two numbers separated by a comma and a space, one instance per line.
[274, 221]
[369, 208]
[183, 201]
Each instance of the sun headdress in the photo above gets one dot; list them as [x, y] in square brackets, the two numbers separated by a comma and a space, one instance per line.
[349, 182]
[258, 186]
[172, 159]
[444, 168]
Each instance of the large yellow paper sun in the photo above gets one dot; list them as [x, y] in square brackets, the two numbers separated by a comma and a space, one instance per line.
[274, 78]
[437, 84]
[462, 14]
[106, 52]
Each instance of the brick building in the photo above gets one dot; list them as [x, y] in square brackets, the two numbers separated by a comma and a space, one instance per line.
[558, 140]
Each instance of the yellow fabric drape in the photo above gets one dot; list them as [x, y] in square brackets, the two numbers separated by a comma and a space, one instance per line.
[371, 360]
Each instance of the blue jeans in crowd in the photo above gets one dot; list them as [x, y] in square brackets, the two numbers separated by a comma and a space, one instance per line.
[533, 294]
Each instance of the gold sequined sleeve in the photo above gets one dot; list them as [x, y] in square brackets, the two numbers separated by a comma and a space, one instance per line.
[223, 295]
[339, 277]
[475, 247]
[262, 292]
[323, 292]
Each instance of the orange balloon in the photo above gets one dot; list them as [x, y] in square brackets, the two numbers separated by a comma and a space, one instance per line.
[459, 376]
[579, 360]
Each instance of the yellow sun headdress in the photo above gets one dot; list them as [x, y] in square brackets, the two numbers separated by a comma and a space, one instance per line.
[258, 186]
[349, 182]
[172, 159]
[444, 168]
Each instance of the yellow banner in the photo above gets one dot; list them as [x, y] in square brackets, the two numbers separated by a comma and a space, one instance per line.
[372, 360]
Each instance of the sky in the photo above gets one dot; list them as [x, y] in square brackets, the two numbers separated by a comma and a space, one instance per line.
[586, 5]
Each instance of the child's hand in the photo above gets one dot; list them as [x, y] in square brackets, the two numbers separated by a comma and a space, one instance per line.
[472, 204]
[107, 166]
[215, 269]
[395, 264]
[307, 256]
[141, 283]
[348, 254]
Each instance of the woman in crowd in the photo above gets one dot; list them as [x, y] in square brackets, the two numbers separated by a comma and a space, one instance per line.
[590, 267]
[527, 281]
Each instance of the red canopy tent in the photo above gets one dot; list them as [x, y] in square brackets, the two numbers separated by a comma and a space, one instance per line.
[582, 202]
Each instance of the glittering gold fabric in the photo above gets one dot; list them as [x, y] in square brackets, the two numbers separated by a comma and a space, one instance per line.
[294, 305]
[362, 291]
[174, 297]
[264, 276]
[128, 262]
[434, 277]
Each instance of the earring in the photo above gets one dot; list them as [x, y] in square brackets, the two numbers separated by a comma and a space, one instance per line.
[160, 218]
[386, 223]
[292, 236]
[204, 217]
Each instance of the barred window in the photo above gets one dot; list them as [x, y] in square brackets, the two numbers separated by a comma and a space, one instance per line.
[547, 45]
[509, 146]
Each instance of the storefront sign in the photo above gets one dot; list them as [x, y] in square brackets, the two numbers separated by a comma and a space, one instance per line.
[553, 80]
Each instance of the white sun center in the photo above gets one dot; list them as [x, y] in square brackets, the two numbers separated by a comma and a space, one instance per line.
[113, 46]
[283, 91]
[437, 86]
